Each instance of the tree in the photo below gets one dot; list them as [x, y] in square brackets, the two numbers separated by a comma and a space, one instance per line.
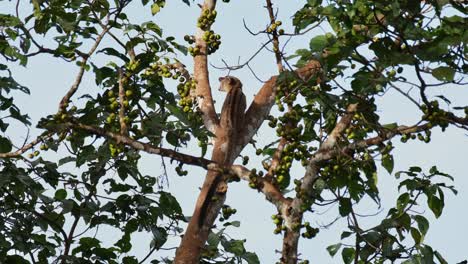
[324, 110]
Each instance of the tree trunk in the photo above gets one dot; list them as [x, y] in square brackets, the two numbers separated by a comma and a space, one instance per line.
[290, 246]
[195, 236]
[207, 207]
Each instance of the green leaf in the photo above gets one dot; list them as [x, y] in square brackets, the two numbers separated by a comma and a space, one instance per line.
[172, 139]
[345, 234]
[345, 206]
[402, 201]
[178, 113]
[318, 43]
[427, 253]
[236, 247]
[169, 204]
[444, 73]
[423, 224]
[155, 8]
[348, 255]
[5, 145]
[124, 243]
[89, 242]
[333, 249]
[60, 195]
[416, 235]
[214, 239]
[388, 163]
[251, 258]
[113, 52]
[436, 205]
[159, 237]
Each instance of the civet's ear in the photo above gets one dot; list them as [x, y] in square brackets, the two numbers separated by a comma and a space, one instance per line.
[231, 81]
[221, 79]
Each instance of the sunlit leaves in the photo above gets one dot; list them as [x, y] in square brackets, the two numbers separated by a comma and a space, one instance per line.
[155, 8]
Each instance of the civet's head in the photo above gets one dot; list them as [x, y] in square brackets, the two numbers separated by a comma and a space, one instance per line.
[229, 82]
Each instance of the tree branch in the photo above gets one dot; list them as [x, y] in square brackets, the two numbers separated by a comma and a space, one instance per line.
[123, 139]
[271, 192]
[264, 100]
[66, 99]
[201, 75]
[293, 215]
[26, 147]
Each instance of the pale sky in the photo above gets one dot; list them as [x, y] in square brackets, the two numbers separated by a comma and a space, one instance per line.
[49, 79]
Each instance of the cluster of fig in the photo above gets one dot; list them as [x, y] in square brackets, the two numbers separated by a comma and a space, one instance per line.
[253, 178]
[44, 147]
[194, 50]
[180, 171]
[162, 70]
[206, 19]
[288, 126]
[305, 197]
[292, 151]
[112, 99]
[190, 39]
[434, 115]
[335, 167]
[115, 149]
[285, 93]
[310, 231]
[425, 138]
[184, 89]
[361, 124]
[245, 160]
[227, 212]
[213, 41]
[278, 221]
[274, 28]
[34, 154]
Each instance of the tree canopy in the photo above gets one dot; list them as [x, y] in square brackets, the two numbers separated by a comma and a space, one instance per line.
[312, 137]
